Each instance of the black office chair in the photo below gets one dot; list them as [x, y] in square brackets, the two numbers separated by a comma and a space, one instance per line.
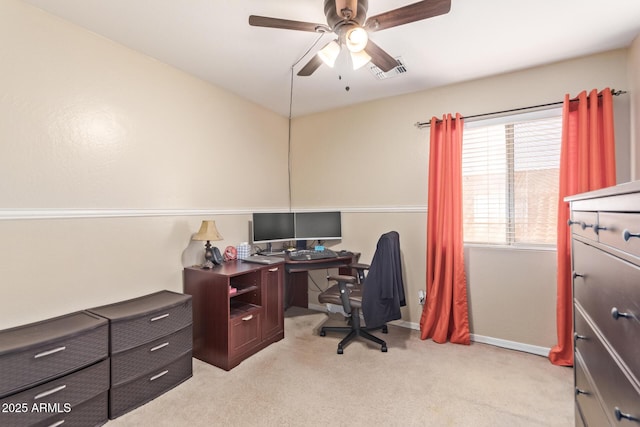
[378, 294]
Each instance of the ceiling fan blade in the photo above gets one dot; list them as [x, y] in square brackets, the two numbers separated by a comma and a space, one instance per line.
[380, 58]
[311, 66]
[406, 14]
[265, 21]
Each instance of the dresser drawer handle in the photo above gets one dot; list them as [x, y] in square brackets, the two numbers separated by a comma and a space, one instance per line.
[49, 392]
[577, 336]
[576, 275]
[620, 415]
[56, 424]
[50, 352]
[626, 235]
[158, 347]
[273, 270]
[580, 391]
[615, 313]
[247, 318]
[570, 223]
[164, 316]
[161, 374]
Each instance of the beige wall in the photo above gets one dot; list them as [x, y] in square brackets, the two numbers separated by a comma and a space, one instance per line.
[373, 164]
[634, 90]
[88, 124]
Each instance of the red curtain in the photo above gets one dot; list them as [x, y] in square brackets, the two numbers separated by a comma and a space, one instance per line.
[587, 162]
[445, 314]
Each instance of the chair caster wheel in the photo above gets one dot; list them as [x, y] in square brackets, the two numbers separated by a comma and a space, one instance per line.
[385, 330]
[340, 351]
[384, 349]
[323, 333]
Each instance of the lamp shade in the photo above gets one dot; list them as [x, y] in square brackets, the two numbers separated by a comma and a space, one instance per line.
[208, 231]
[330, 53]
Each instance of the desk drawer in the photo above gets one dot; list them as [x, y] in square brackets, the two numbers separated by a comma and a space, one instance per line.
[609, 284]
[245, 332]
[35, 353]
[149, 357]
[58, 396]
[616, 224]
[615, 388]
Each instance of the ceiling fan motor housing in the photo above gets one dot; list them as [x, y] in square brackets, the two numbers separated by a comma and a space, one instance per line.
[334, 19]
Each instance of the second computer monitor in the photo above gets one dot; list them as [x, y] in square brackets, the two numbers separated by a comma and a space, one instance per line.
[318, 226]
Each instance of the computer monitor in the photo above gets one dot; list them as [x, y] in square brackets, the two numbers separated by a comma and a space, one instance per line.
[273, 227]
[318, 226]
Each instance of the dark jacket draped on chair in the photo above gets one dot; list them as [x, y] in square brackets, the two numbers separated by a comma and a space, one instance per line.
[383, 290]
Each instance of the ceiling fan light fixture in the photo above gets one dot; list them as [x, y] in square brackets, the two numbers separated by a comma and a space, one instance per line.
[330, 53]
[356, 39]
[359, 59]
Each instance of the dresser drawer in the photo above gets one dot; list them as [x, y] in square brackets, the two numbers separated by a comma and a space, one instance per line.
[60, 396]
[608, 285]
[141, 320]
[89, 414]
[616, 224]
[35, 353]
[149, 357]
[130, 395]
[586, 399]
[584, 223]
[616, 389]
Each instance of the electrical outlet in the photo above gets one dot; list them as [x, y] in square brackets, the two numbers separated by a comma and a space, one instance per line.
[421, 297]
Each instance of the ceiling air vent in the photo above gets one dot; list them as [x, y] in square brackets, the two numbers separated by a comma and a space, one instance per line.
[381, 75]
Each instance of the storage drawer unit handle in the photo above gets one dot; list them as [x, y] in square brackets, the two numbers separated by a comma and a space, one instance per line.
[50, 352]
[247, 318]
[619, 415]
[158, 347]
[56, 424]
[161, 374]
[164, 316]
[626, 235]
[49, 392]
[615, 313]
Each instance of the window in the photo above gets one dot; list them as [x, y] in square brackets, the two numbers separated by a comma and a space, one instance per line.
[510, 172]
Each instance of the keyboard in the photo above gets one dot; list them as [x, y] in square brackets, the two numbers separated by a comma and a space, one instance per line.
[308, 254]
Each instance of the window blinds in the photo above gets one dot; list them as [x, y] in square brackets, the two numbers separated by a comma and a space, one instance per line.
[510, 169]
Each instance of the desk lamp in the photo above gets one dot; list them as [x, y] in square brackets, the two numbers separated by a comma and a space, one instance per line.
[208, 232]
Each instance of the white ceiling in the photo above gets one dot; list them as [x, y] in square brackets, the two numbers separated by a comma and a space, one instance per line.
[212, 40]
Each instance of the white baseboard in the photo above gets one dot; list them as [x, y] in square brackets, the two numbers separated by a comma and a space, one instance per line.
[511, 345]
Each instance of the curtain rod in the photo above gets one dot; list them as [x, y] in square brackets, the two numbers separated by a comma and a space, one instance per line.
[420, 125]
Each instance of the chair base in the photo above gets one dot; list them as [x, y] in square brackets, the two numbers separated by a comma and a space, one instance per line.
[354, 331]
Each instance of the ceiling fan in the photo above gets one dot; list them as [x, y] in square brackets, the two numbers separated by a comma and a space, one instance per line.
[348, 20]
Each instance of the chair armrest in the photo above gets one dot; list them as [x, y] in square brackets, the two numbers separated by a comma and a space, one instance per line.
[359, 266]
[343, 278]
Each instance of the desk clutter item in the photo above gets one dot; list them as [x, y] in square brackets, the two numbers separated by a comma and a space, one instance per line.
[55, 372]
[243, 250]
[246, 321]
[606, 266]
[151, 345]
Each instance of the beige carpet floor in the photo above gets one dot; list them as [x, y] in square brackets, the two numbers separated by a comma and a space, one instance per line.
[301, 381]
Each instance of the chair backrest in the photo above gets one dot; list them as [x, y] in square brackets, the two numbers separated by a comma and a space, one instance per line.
[383, 291]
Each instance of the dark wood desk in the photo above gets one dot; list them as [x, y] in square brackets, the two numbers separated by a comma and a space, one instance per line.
[296, 277]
